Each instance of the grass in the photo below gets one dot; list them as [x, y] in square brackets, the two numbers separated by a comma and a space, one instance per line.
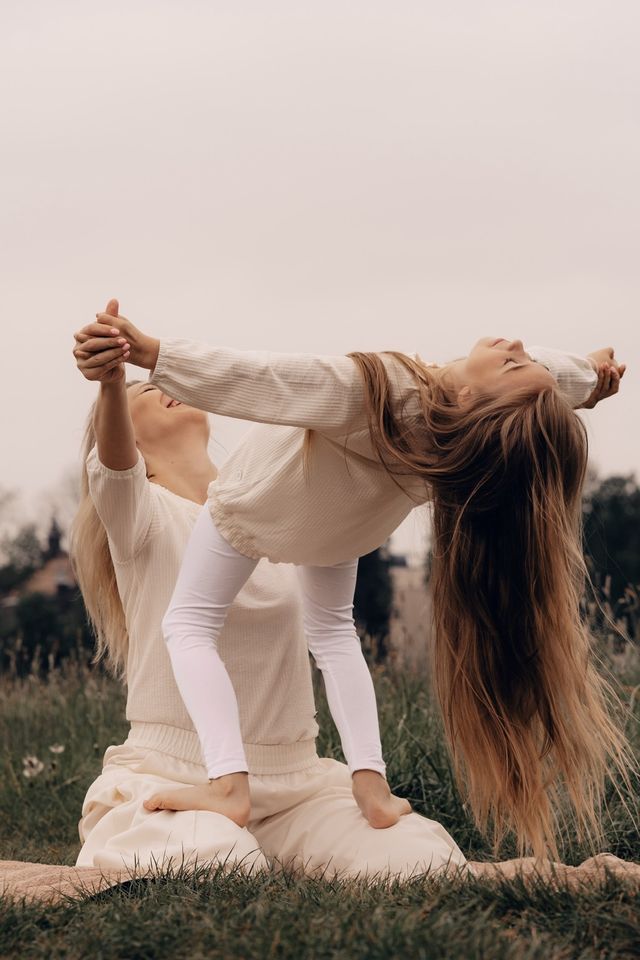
[274, 914]
[281, 917]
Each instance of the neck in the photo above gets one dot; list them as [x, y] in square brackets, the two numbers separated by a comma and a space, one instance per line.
[451, 373]
[186, 471]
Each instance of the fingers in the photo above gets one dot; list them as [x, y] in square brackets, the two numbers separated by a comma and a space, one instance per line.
[97, 330]
[106, 318]
[88, 359]
[615, 381]
[609, 383]
[99, 344]
[98, 372]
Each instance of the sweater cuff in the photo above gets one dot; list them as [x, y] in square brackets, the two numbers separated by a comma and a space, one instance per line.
[573, 373]
[160, 368]
[95, 465]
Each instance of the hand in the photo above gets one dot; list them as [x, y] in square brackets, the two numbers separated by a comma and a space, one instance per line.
[100, 351]
[610, 373]
[96, 345]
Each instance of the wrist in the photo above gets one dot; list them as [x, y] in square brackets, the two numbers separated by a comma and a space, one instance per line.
[593, 362]
[149, 353]
[115, 384]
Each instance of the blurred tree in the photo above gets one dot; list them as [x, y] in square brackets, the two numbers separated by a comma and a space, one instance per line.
[23, 555]
[24, 549]
[373, 600]
[612, 533]
[48, 630]
[54, 538]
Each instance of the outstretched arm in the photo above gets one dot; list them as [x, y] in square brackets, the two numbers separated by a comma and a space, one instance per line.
[584, 381]
[324, 393]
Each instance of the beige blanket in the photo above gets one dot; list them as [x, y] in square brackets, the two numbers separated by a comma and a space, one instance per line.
[52, 883]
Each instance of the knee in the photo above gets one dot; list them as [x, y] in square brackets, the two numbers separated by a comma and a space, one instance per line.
[331, 648]
[182, 627]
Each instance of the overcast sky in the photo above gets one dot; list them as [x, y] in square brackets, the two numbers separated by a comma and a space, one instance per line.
[322, 176]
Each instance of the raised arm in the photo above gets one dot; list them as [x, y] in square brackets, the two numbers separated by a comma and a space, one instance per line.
[112, 422]
[115, 437]
[116, 471]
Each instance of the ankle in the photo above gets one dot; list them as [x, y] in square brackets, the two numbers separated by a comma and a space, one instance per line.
[367, 778]
[230, 783]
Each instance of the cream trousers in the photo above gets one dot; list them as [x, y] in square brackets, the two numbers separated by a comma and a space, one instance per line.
[306, 820]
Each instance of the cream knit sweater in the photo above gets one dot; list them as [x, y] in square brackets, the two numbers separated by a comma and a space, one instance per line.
[261, 501]
[262, 644]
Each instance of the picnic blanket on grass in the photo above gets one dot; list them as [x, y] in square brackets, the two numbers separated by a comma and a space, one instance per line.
[52, 883]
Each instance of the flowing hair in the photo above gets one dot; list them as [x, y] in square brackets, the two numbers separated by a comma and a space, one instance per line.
[527, 716]
[93, 568]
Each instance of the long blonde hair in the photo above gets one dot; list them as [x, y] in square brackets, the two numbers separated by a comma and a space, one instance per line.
[524, 709]
[93, 567]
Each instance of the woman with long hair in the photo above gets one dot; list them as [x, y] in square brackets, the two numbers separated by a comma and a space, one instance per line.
[145, 473]
[496, 448]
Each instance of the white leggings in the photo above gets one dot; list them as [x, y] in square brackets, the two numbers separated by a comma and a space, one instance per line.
[211, 575]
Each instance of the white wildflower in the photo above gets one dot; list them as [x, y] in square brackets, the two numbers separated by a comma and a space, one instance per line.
[31, 767]
[57, 748]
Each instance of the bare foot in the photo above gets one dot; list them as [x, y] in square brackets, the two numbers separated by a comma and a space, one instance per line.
[608, 862]
[228, 795]
[377, 803]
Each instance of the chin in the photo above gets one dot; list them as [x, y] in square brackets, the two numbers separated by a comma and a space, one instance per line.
[185, 410]
[194, 415]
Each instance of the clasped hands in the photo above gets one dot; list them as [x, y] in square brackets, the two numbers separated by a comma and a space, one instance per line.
[103, 347]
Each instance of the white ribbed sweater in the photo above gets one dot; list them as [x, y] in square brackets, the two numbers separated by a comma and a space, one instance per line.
[261, 501]
[262, 644]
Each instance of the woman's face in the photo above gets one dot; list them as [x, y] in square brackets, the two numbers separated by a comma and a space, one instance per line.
[496, 365]
[156, 417]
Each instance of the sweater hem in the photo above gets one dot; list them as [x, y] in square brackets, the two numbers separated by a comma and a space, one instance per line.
[235, 535]
[262, 758]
